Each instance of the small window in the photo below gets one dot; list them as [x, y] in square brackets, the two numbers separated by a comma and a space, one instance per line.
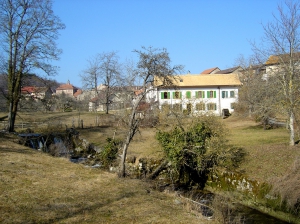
[232, 106]
[211, 94]
[200, 94]
[224, 94]
[165, 95]
[177, 107]
[211, 106]
[200, 106]
[188, 94]
[232, 94]
[189, 108]
[177, 95]
[166, 107]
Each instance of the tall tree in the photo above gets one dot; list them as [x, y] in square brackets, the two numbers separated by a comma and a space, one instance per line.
[105, 69]
[258, 95]
[28, 30]
[153, 64]
[282, 41]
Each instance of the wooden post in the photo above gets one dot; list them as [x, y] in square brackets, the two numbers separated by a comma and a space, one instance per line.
[81, 124]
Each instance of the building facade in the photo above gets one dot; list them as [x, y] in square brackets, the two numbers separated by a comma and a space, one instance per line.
[198, 94]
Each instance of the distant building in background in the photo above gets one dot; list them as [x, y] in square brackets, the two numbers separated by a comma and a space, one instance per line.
[69, 90]
[210, 71]
[36, 92]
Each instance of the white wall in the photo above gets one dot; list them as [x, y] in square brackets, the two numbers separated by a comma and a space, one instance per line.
[221, 103]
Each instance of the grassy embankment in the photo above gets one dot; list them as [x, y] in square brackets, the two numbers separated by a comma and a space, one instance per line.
[38, 188]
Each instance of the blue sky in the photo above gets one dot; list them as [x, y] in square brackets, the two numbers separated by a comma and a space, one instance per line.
[198, 34]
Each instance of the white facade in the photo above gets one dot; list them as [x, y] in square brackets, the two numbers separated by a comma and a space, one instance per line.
[199, 98]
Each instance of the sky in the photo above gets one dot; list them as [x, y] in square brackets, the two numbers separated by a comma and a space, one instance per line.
[198, 34]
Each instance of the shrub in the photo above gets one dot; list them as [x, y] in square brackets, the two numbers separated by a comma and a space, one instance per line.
[109, 154]
[196, 150]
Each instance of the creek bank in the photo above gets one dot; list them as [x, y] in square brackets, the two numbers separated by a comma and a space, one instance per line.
[252, 200]
[60, 144]
[254, 195]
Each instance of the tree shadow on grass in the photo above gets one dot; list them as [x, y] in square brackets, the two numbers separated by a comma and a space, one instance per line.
[64, 212]
[9, 149]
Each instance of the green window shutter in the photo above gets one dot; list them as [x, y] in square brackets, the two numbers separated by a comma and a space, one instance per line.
[215, 94]
[223, 94]
[207, 94]
[162, 95]
[232, 94]
[203, 94]
[173, 95]
[168, 95]
[197, 94]
[188, 94]
[180, 95]
[215, 106]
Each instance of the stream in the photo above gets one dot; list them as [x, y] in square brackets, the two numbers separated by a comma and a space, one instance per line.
[246, 214]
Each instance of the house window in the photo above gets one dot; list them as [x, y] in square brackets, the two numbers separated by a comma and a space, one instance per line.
[177, 107]
[224, 94]
[165, 95]
[200, 106]
[166, 107]
[232, 105]
[211, 106]
[188, 94]
[177, 95]
[232, 95]
[189, 108]
[211, 94]
[200, 94]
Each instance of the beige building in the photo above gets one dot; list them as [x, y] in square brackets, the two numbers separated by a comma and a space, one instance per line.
[69, 90]
[198, 94]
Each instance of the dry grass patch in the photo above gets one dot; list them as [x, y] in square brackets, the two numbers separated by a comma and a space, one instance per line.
[268, 152]
[37, 188]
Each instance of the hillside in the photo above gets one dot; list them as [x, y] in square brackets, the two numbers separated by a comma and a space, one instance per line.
[38, 188]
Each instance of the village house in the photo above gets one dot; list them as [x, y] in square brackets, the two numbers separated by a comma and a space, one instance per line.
[119, 98]
[36, 93]
[198, 94]
[69, 90]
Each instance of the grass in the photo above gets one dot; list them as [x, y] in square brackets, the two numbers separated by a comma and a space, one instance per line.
[38, 188]
[268, 153]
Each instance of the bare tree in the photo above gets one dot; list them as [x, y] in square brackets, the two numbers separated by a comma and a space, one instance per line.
[257, 95]
[28, 30]
[153, 64]
[90, 76]
[282, 41]
[105, 69]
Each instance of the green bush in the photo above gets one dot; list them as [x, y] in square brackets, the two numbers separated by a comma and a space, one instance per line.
[195, 151]
[110, 152]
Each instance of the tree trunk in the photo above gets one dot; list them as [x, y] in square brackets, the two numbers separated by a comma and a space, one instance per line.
[122, 172]
[157, 171]
[12, 116]
[292, 129]
[133, 126]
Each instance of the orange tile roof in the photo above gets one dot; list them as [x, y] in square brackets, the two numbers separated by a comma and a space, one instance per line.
[204, 80]
[65, 86]
[33, 89]
[209, 71]
[78, 92]
[276, 59]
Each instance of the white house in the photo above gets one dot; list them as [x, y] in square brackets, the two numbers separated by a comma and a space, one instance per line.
[198, 93]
